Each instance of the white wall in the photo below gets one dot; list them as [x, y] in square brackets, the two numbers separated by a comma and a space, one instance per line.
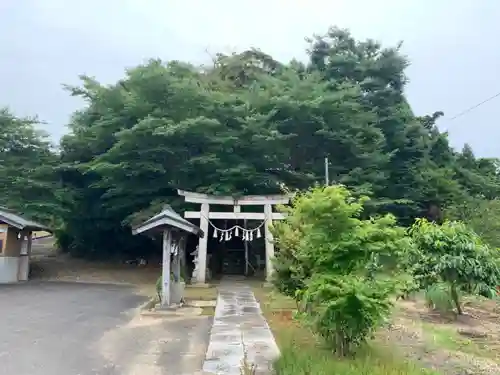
[9, 268]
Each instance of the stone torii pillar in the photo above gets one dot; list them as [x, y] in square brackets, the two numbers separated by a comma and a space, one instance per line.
[205, 214]
[268, 212]
[202, 244]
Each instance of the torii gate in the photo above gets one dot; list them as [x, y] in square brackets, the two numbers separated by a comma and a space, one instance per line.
[268, 201]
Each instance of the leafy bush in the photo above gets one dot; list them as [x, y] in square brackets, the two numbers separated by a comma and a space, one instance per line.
[345, 310]
[452, 253]
[341, 270]
[289, 275]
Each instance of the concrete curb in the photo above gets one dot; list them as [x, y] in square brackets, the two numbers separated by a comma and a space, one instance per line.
[199, 286]
[89, 282]
[192, 308]
[179, 312]
[148, 305]
[201, 303]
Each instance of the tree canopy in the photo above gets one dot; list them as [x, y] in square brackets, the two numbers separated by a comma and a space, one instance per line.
[246, 124]
[28, 182]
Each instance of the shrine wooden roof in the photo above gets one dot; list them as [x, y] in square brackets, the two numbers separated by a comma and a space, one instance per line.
[168, 219]
[15, 220]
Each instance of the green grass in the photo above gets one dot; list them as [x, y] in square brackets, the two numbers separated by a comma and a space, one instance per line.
[300, 360]
[303, 354]
[449, 338]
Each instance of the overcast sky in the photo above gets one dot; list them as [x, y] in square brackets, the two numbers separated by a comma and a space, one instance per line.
[451, 44]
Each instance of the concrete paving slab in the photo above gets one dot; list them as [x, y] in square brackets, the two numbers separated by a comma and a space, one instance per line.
[239, 328]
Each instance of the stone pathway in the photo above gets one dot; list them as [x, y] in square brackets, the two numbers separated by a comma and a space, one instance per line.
[238, 328]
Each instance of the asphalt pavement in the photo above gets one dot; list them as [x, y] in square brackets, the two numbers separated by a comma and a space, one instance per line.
[57, 328]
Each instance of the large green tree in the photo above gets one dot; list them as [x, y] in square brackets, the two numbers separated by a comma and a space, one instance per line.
[28, 182]
[420, 174]
[249, 124]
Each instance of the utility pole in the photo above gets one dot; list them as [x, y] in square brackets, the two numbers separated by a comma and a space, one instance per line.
[327, 179]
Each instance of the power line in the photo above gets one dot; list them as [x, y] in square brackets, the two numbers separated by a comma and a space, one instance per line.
[474, 106]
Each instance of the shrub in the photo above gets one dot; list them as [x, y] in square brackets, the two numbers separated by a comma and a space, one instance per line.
[345, 310]
[289, 275]
[341, 270]
[453, 254]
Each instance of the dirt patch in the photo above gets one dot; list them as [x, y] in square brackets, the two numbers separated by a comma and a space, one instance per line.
[464, 345]
[47, 264]
[413, 344]
[64, 268]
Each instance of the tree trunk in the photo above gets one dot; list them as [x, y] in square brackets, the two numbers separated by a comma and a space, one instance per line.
[455, 298]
